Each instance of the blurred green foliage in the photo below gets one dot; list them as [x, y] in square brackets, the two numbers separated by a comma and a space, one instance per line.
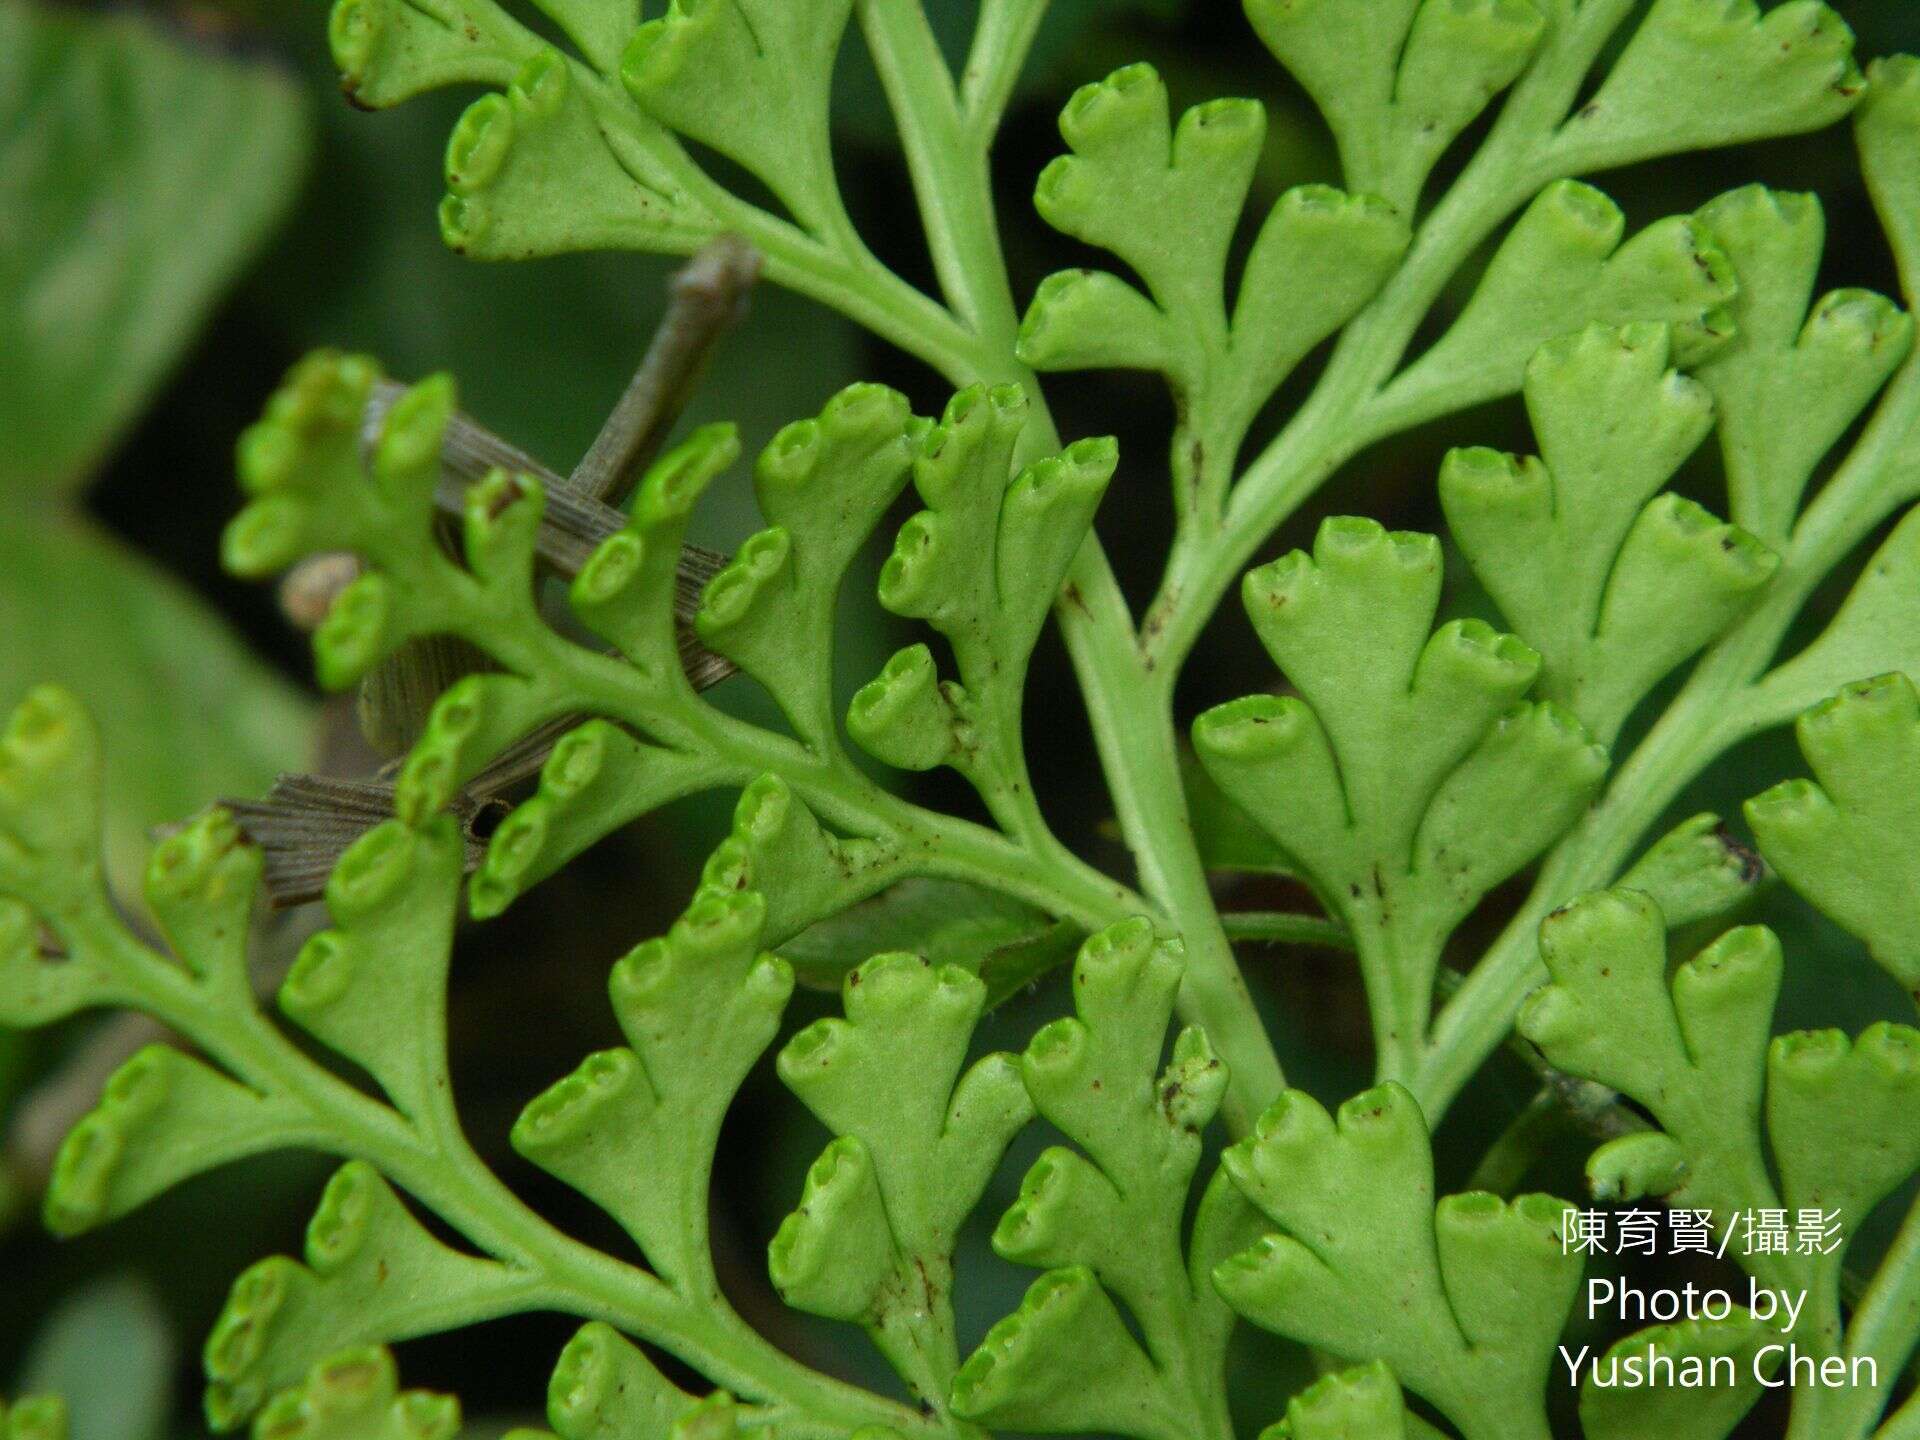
[138, 179]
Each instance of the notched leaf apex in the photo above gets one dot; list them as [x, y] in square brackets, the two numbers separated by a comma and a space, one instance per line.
[356, 1395]
[1405, 748]
[200, 884]
[1397, 82]
[1613, 584]
[1844, 840]
[51, 813]
[1030, 1371]
[1563, 266]
[370, 1264]
[163, 1117]
[834, 1254]
[752, 81]
[1703, 73]
[1472, 1294]
[604, 1385]
[387, 51]
[1363, 1403]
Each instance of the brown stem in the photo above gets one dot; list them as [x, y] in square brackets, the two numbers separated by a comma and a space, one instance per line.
[306, 822]
[707, 298]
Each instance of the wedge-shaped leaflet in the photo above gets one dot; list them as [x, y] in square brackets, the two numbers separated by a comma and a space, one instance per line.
[603, 1387]
[1704, 73]
[981, 564]
[388, 51]
[1005, 941]
[823, 485]
[1886, 127]
[1697, 872]
[1842, 1120]
[1791, 380]
[373, 986]
[1873, 634]
[1407, 778]
[625, 591]
[1163, 199]
[301, 463]
[50, 800]
[1463, 1301]
[698, 1007]
[1562, 266]
[530, 173]
[1611, 585]
[163, 1117]
[1167, 200]
[372, 1275]
[1844, 1116]
[751, 79]
[908, 717]
[34, 1417]
[1398, 81]
[1849, 840]
[805, 873]
[356, 1395]
[598, 779]
[64, 948]
[872, 1240]
[1707, 1409]
[1360, 1404]
[1319, 257]
[1031, 1370]
[560, 159]
[200, 885]
[50, 809]
[1692, 1051]
[1108, 1215]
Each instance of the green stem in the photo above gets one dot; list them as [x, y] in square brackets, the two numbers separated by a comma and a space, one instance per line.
[839, 271]
[1691, 733]
[1133, 727]
[1128, 704]
[1283, 927]
[948, 167]
[1720, 704]
[1885, 1329]
[1349, 409]
[1905, 1424]
[1519, 1147]
[1002, 39]
[1043, 872]
[1339, 417]
[1398, 970]
[443, 1173]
